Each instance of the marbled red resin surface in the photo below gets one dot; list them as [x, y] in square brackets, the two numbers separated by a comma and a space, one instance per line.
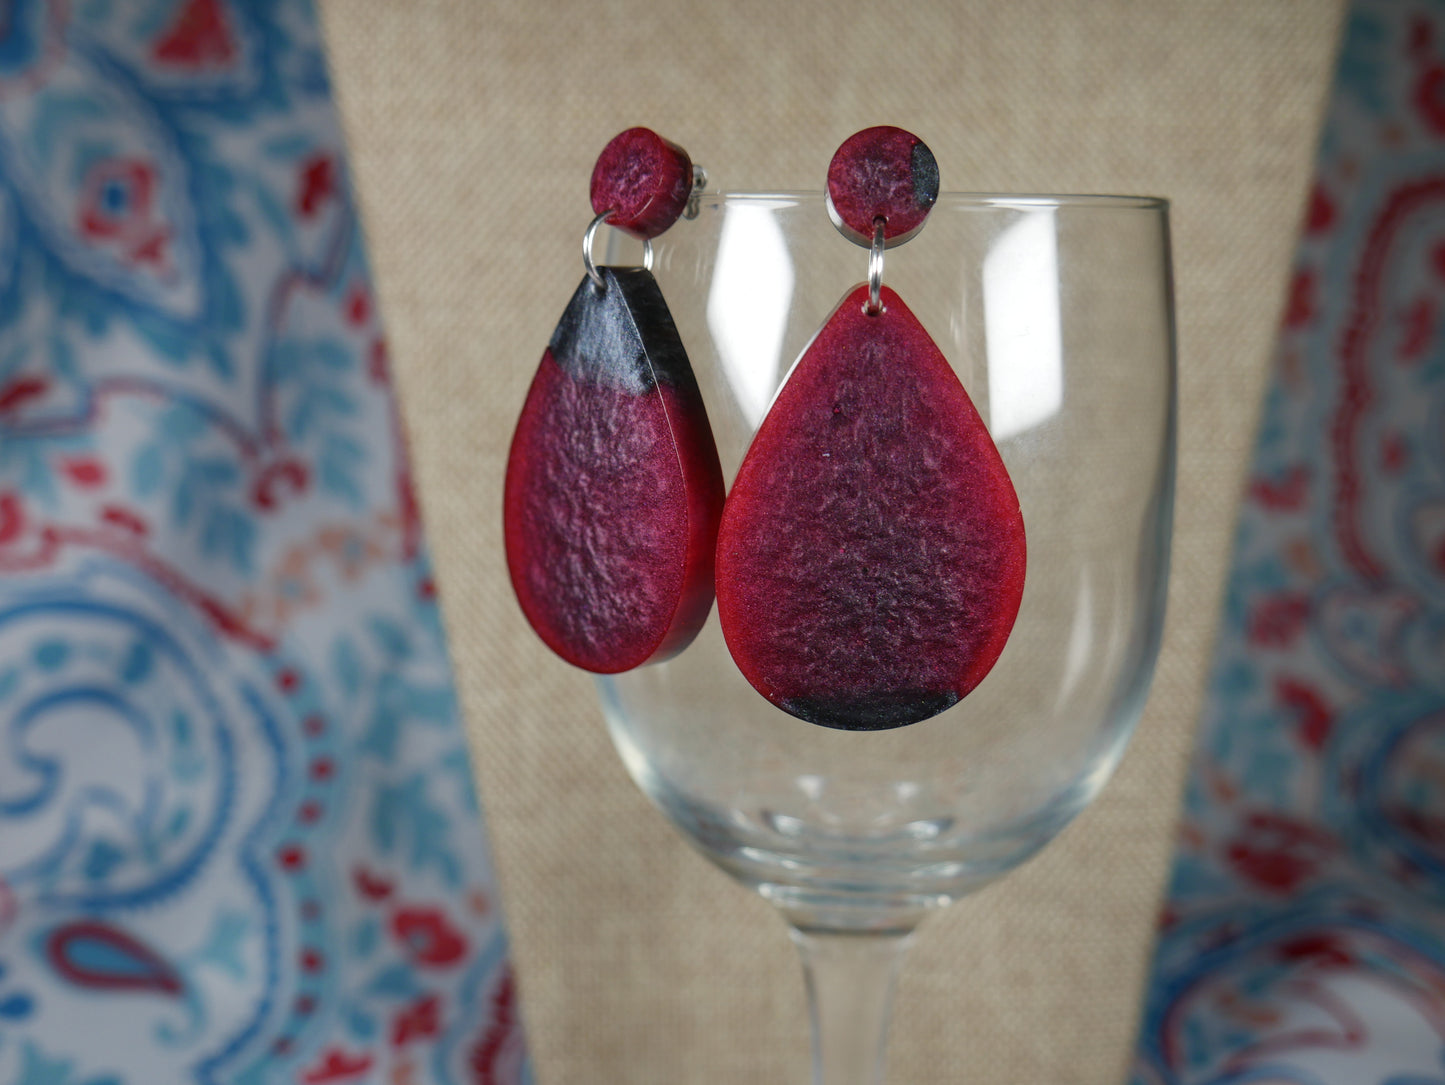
[871, 555]
[613, 487]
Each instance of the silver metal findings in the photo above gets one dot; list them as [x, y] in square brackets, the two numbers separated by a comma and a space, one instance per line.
[875, 270]
[591, 266]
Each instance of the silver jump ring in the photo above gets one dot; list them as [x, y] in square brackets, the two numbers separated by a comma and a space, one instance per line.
[592, 272]
[875, 270]
[587, 250]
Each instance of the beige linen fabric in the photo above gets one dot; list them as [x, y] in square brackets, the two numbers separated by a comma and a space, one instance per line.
[473, 128]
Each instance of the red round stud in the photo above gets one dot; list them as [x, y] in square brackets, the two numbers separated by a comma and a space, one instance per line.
[643, 180]
[885, 173]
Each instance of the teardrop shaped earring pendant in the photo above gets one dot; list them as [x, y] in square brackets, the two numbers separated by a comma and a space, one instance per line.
[613, 487]
[871, 555]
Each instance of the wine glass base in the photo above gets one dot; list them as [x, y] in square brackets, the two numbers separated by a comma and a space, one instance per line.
[871, 913]
[850, 882]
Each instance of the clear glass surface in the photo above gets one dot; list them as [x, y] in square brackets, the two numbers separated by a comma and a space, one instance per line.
[1056, 313]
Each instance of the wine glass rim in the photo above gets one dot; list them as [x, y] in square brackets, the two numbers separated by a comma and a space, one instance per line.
[1008, 200]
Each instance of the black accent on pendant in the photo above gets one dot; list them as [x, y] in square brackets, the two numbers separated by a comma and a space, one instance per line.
[621, 334]
[925, 175]
[875, 712]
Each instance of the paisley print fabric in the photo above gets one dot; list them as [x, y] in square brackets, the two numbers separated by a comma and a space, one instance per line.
[1303, 940]
[239, 841]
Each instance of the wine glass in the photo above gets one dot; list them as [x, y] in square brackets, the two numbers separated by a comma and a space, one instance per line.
[1056, 312]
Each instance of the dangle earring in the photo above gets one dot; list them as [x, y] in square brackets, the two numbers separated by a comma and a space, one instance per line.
[613, 488]
[870, 559]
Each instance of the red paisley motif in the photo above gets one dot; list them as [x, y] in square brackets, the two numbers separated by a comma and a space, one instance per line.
[430, 936]
[199, 37]
[1430, 98]
[1277, 853]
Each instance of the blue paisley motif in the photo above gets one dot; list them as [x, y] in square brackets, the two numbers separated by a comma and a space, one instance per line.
[237, 821]
[1301, 939]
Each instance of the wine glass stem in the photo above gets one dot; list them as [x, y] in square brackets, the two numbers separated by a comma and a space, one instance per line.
[850, 978]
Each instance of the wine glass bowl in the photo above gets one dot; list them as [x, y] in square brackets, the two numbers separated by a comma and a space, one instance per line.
[1056, 314]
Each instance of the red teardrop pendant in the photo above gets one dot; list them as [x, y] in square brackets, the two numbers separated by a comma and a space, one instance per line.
[613, 488]
[871, 553]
